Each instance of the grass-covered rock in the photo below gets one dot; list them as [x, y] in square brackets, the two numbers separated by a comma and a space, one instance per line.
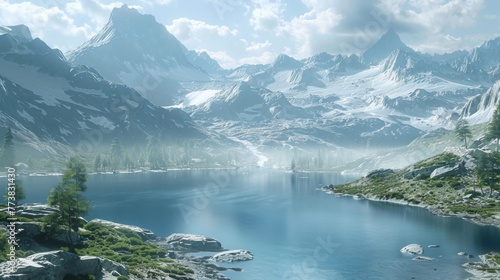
[125, 246]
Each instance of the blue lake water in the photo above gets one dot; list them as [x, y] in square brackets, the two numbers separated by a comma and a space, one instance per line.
[294, 230]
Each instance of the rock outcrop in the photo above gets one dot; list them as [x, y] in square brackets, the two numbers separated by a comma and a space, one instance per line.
[448, 171]
[379, 173]
[421, 173]
[194, 242]
[233, 256]
[143, 233]
[55, 265]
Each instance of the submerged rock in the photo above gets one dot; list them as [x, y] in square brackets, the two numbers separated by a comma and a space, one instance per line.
[422, 259]
[194, 242]
[433, 246]
[233, 256]
[413, 249]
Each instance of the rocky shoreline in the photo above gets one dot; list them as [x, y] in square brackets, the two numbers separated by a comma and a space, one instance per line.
[444, 186]
[47, 260]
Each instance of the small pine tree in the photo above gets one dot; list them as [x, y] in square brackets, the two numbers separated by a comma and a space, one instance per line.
[488, 170]
[68, 198]
[463, 132]
[97, 163]
[494, 127]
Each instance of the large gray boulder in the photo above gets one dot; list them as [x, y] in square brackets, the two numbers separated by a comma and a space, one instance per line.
[233, 256]
[421, 173]
[55, 265]
[145, 234]
[28, 229]
[448, 171]
[193, 242]
[35, 210]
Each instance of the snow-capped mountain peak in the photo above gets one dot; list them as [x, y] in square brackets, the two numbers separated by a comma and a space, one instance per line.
[388, 43]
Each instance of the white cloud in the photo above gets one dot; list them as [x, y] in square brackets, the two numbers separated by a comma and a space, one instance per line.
[266, 15]
[93, 10]
[50, 24]
[157, 2]
[254, 46]
[194, 30]
[265, 58]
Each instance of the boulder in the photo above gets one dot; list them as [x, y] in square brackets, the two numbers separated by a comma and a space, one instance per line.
[379, 173]
[422, 259]
[194, 242]
[35, 210]
[447, 171]
[421, 173]
[29, 229]
[143, 233]
[55, 265]
[233, 256]
[413, 249]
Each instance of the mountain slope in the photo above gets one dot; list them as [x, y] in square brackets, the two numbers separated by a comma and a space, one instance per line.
[388, 43]
[137, 51]
[45, 98]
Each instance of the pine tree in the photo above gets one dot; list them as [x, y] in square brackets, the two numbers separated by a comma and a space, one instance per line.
[68, 198]
[97, 163]
[494, 127]
[7, 159]
[488, 170]
[463, 132]
[116, 153]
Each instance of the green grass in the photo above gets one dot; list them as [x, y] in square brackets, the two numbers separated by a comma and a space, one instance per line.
[126, 247]
[441, 159]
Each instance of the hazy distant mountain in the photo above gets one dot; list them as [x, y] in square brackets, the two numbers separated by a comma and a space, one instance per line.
[483, 62]
[137, 51]
[46, 99]
[205, 62]
[387, 44]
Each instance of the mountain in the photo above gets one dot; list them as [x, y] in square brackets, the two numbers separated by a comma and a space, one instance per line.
[135, 50]
[248, 103]
[204, 62]
[480, 108]
[284, 62]
[50, 102]
[387, 44]
[483, 62]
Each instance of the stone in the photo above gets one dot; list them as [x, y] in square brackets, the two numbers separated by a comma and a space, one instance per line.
[423, 259]
[433, 246]
[379, 173]
[109, 265]
[233, 256]
[412, 249]
[447, 171]
[461, 253]
[29, 229]
[421, 173]
[194, 242]
[143, 233]
[33, 210]
[55, 265]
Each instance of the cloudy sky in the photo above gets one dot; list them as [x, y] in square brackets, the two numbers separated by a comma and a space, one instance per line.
[236, 32]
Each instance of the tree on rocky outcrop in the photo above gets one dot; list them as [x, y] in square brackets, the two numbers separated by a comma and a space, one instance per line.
[68, 198]
[463, 132]
[7, 158]
[488, 170]
[494, 127]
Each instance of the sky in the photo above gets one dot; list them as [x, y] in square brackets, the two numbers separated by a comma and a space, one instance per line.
[236, 32]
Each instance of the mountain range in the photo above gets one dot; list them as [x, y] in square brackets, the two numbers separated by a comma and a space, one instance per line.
[134, 79]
